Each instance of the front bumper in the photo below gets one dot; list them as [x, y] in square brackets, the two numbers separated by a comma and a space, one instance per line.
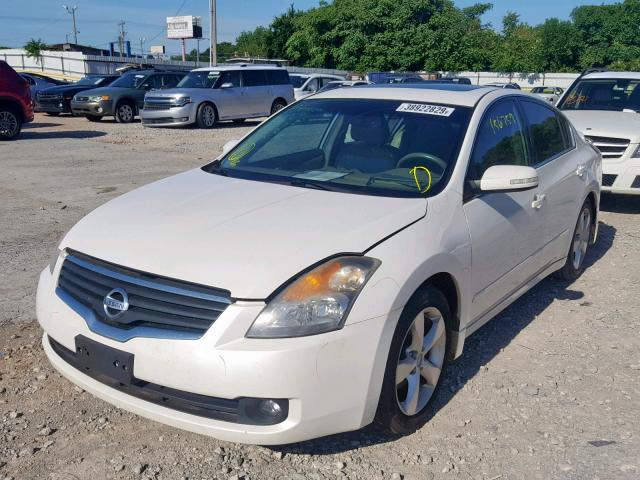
[169, 117]
[330, 380]
[53, 106]
[621, 176]
[98, 109]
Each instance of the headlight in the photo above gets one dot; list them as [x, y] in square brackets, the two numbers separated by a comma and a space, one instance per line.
[181, 102]
[54, 260]
[636, 153]
[98, 98]
[316, 302]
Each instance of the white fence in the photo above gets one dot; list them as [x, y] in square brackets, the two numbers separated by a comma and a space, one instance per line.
[77, 65]
[525, 80]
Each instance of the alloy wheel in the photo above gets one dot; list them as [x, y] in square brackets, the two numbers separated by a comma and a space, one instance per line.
[581, 238]
[420, 361]
[126, 113]
[8, 124]
[208, 115]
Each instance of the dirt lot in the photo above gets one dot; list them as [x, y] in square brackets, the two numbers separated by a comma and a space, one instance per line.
[548, 390]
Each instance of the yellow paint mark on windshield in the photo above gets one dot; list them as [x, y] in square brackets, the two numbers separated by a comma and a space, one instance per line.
[502, 121]
[235, 157]
[414, 172]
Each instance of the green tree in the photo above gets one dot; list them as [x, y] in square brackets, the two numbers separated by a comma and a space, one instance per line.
[34, 49]
[254, 44]
[520, 49]
[561, 44]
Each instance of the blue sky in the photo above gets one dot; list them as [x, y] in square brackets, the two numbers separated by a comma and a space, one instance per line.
[97, 19]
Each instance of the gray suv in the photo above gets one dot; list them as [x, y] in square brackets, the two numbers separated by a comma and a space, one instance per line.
[207, 95]
[124, 97]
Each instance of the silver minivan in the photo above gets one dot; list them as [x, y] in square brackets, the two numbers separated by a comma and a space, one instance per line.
[208, 95]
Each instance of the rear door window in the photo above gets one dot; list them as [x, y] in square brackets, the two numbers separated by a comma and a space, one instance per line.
[233, 77]
[277, 77]
[254, 78]
[548, 135]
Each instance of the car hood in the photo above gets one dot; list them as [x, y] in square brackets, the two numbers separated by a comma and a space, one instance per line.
[177, 92]
[107, 90]
[64, 90]
[606, 124]
[244, 236]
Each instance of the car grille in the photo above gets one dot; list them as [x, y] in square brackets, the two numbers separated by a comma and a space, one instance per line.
[155, 103]
[155, 302]
[610, 147]
[608, 179]
[49, 96]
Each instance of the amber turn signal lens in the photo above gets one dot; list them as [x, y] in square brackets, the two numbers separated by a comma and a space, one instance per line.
[313, 283]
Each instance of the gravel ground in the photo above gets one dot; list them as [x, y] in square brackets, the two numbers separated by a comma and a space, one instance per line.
[548, 390]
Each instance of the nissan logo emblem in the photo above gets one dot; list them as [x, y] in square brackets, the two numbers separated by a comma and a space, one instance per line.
[115, 303]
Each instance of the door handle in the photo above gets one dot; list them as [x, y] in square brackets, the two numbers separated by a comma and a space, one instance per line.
[580, 171]
[538, 201]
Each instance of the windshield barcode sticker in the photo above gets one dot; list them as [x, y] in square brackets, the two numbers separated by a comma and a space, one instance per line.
[426, 109]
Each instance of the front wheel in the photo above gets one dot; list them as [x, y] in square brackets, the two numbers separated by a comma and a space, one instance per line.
[582, 235]
[416, 362]
[10, 124]
[206, 116]
[125, 113]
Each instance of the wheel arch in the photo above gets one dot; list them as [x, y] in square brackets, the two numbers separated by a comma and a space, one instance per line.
[15, 106]
[209, 102]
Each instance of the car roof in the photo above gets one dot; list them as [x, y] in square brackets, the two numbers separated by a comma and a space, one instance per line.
[240, 66]
[442, 93]
[612, 75]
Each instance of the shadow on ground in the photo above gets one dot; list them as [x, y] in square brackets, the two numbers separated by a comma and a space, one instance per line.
[64, 134]
[479, 349]
[29, 126]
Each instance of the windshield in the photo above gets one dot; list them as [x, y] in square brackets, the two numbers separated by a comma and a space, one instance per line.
[199, 80]
[90, 81]
[297, 80]
[374, 147]
[613, 95]
[129, 80]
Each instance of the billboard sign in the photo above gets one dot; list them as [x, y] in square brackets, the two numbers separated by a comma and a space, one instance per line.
[157, 49]
[184, 27]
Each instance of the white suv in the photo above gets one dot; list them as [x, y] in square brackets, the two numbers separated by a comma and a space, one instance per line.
[605, 108]
[308, 84]
[321, 274]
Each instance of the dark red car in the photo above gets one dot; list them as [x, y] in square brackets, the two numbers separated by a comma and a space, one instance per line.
[16, 107]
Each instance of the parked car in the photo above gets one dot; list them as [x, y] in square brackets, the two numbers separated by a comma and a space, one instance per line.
[38, 82]
[15, 102]
[305, 85]
[321, 273]
[123, 98]
[409, 79]
[551, 94]
[605, 108]
[208, 95]
[57, 100]
[344, 83]
[513, 86]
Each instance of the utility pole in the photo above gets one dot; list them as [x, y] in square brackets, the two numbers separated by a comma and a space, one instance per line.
[72, 11]
[213, 37]
[121, 37]
[142, 40]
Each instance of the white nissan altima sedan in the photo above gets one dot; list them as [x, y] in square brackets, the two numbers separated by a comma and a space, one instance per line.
[322, 272]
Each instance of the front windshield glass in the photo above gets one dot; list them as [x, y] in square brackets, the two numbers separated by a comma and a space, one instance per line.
[199, 80]
[129, 80]
[90, 81]
[613, 95]
[297, 80]
[374, 147]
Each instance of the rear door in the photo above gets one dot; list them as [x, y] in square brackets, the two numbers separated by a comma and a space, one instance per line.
[504, 226]
[562, 178]
[257, 90]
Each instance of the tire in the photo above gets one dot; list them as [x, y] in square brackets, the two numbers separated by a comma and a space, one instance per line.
[206, 116]
[53, 114]
[278, 105]
[93, 118]
[10, 124]
[408, 370]
[582, 235]
[125, 112]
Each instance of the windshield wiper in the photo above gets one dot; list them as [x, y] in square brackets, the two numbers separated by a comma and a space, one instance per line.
[307, 184]
[373, 179]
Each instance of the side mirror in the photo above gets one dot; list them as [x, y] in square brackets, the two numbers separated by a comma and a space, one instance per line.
[227, 147]
[508, 178]
[227, 85]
